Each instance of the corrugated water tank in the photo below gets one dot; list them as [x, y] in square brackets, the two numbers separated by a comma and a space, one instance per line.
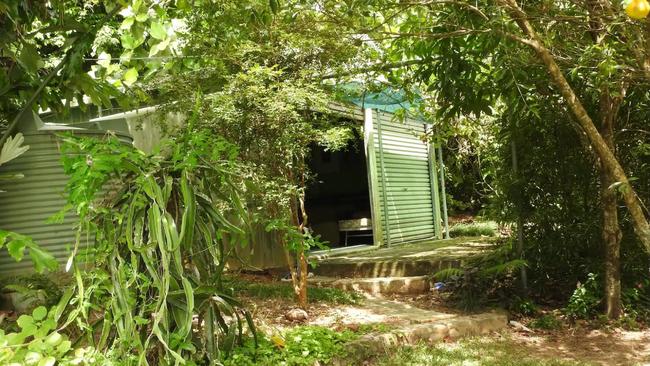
[26, 204]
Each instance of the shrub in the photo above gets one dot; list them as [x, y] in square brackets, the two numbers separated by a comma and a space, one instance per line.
[584, 301]
[483, 279]
[161, 245]
[546, 322]
[37, 342]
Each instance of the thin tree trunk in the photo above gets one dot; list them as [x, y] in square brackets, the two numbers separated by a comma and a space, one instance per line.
[300, 279]
[611, 230]
[520, 222]
[605, 154]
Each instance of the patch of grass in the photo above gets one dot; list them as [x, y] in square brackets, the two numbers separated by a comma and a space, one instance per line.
[483, 228]
[282, 290]
[472, 351]
[300, 346]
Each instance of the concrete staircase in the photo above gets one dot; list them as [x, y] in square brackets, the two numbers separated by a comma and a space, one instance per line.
[405, 269]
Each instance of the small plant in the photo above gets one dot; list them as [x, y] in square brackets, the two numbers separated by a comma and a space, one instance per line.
[525, 307]
[37, 342]
[31, 291]
[16, 245]
[483, 279]
[636, 300]
[301, 346]
[546, 322]
[584, 302]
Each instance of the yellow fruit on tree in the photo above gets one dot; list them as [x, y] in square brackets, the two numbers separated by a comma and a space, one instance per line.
[637, 9]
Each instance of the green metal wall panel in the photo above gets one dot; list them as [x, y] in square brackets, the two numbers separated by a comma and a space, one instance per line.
[404, 183]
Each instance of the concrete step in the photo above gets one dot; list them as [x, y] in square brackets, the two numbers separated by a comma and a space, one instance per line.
[428, 332]
[377, 286]
[385, 268]
[408, 260]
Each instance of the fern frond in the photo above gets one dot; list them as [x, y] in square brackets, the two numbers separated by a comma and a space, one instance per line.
[448, 273]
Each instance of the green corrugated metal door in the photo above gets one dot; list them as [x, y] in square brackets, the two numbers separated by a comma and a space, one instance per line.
[406, 187]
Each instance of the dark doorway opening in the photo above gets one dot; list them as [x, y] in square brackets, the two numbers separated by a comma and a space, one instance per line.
[338, 198]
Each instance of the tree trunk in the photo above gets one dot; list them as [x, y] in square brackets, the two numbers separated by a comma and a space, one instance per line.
[299, 279]
[612, 239]
[611, 230]
[608, 160]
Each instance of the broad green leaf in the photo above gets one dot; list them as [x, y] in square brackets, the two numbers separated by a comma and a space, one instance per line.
[3, 237]
[127, 23]
[130, 42]
[158, 47]
[47, 361]
[130, 76]
[104, 59]
[13, 148]
[24, 321]
[64, 347]
[54, 339]
[16, 248]
[39, 313]
[158, 31]
[29, 58]
[32, 358]
[142, 17]
[42, 259]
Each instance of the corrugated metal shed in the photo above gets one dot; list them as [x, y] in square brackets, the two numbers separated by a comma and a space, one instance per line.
[404, 180]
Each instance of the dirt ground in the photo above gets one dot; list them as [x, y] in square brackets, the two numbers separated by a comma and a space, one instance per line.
[611, 347]
[579, 343]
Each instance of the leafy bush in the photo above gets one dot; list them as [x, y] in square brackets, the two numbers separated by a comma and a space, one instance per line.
[636, 300]
[585, 300]
[524, 307]
[546, 322]
[37, 342]
[161, 245]
[307, 345]
[34, 290]
[483, 279]
[487, 228]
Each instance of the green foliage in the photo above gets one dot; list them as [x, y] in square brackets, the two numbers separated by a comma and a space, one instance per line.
[473, 351]
[483, 279]
[636, 300]
[525, 307]
[305, 345]
[546, 322]
[35, 289]
[16, 245]
[37, 342]
[585, 300]
[161, 245]
[295, 240]
[488, 228]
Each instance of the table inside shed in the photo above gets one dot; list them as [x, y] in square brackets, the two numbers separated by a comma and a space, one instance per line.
[355, 228]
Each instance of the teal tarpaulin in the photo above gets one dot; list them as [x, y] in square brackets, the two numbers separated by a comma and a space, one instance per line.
[387, 99]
